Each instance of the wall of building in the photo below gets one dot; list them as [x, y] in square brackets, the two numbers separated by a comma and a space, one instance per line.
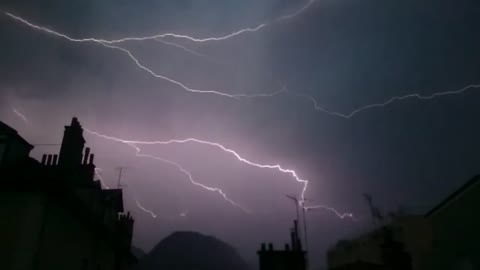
[20, 227]
[68, 242]
[412, 231]
[456, 232]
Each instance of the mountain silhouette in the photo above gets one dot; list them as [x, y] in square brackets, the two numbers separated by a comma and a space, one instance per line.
[192, 251]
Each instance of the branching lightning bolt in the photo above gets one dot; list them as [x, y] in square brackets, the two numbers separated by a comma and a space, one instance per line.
[108, 44]
[171, 35]
[178, 166]
[389, 101]
[277, 167]
[190, 177]
[183, 48]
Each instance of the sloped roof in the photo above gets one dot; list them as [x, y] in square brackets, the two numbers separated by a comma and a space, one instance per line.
[472, 182]
[8, 130]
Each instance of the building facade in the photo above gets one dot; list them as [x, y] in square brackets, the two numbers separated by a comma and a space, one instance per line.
[446, 237]
[55, 216]
[455, 224]
[404, 235]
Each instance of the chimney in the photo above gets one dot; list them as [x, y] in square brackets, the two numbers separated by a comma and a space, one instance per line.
[85, 156]
[292, 239]
[91, 159]
[71, 149]
[49, 160]
[263, 247]
[44, 159]
[270, 247]
[297, 238]
[54, 161]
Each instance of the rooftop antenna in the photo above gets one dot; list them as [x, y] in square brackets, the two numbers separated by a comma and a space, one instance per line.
[120, 171]
[304, 216]
[295, 200]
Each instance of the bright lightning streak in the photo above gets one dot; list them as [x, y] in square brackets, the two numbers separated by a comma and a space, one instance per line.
[221, 38]
[298, 12]
[389, 101]
[183, 48]
[338, 214]
[145, 209]
[178, 166]
[23, 117]
[107, 44]
[190, 177]
[227, 150]
[151, 72]
[171, 35]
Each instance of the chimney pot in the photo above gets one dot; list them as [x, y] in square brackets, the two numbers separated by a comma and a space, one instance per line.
[44, 159]
[91, 159]
[54, 161]
[85, 156]
[49, 160]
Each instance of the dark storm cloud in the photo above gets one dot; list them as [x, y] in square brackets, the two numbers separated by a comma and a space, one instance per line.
[346, 54]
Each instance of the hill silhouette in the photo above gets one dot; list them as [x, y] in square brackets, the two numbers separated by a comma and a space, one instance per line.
[192, 251]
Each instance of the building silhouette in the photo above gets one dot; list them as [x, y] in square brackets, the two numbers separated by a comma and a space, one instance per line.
[374, 250]
[455, 225]
[292, 257]
[55, 215]
[446, 237]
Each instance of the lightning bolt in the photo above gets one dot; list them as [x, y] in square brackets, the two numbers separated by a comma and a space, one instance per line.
[179, 167]
[298, 12]
[108, 44]
[23, 117]
[154, 215]
[333, 210]
[145, 209]
[171, 35]
[277, 167]
[183, 48]
[389, 101]
[190, 177]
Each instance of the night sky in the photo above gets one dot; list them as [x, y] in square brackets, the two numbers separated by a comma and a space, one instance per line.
[346, 54]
